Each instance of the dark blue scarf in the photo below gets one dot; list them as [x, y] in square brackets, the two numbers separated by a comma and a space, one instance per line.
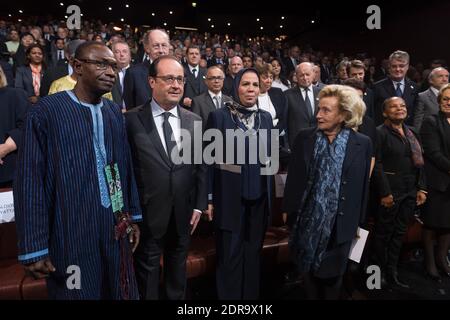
[312, 230]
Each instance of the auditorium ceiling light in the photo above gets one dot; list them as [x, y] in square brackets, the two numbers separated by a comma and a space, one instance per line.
[165, 23]
[209, 19]
[212, 26]
[282, 18]
[170, 12]
[281, 27]
[194, 4]
[122, 19]
[117, 28]
[20, 11]
[257, 19]
[262, 28]
[61, 4]
[127, 6]
[153, 14]
[109, 8]
[312, 21]
[20, 20]
[65, 17]
[9, 15]
[229, 24]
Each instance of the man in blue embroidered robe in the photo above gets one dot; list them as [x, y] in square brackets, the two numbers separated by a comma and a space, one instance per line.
[66, 221]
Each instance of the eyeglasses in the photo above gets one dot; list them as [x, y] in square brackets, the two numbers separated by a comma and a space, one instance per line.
[446, 99]
[214, 78]
[171, 79]
[102, 65]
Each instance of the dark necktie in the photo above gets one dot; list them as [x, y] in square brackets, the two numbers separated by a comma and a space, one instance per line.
[194, 72]
[308, 103]
[170, 144]
[61, 57]
[398, 91]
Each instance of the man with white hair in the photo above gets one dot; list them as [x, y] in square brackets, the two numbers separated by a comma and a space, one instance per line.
[427, 103]
[136, 90]
[396, 85]
[122, 53]
[302, 101]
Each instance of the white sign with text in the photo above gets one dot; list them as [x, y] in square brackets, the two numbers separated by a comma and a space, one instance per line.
[6, 207]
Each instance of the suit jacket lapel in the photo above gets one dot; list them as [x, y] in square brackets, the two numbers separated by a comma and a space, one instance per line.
[148, 122]
[389, 86]
[303, 107]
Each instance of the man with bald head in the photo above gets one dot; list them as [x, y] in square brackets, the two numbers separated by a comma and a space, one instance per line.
[76, 201]
[234, 67]
[427, 103]
[399, 179]
[172, 195]
[302, 101]
[213, 99]
[136, 90]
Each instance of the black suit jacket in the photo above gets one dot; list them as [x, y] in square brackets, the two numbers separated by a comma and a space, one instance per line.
[354, 187]
[14, 105]
[394, 172]
[52, 74]
[369, 100]
[384, 89]
[288, 66]
[191, 89]
[298, 117]
[164, 189]
[24, 80]
[203, 105]
[136, 89]
[228, 86]
[436, 145]
[8, 71]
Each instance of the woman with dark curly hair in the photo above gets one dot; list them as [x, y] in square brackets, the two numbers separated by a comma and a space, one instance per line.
[29, 76]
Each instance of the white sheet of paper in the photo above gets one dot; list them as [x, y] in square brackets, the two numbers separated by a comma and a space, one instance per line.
[6, 207]
[358, 244]
[280, 182]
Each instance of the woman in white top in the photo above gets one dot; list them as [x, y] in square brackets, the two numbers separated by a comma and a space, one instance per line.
[273, 101]
[279, 79]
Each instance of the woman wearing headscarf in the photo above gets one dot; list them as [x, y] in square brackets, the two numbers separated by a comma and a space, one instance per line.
[240, 184]
[326, 191]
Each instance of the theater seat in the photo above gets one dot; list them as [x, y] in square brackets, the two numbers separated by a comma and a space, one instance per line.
[11, 277]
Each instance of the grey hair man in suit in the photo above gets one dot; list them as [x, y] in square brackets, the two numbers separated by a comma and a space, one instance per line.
[427, 103]
[122, 53]
[212, 99]
[302, 101]
[172, 195]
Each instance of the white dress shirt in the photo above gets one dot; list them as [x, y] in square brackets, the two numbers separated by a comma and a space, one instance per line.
[192, 68]
[310, 96]
[219, 97]
[266, 104]
[174, 120]
[175, 123]
[402, 85]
